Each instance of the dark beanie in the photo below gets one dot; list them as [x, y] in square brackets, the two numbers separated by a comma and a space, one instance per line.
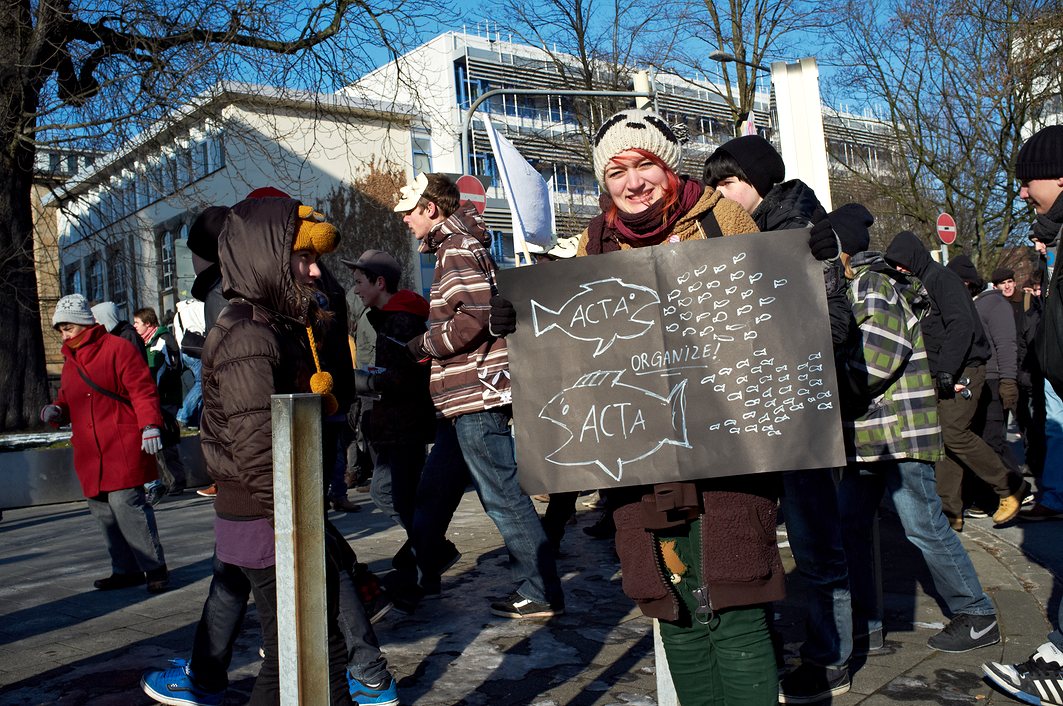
[760, 161]
[962, 265]
[851, 223]
[1002, 273]
[1041, 157]
[204, 232]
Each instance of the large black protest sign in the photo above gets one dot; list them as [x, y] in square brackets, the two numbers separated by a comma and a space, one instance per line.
[681, 361]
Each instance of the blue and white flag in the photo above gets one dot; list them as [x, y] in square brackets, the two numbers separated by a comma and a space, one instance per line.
[529, 197]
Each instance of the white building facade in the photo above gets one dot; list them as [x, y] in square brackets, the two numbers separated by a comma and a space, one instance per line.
[442, 77]
[123, 222]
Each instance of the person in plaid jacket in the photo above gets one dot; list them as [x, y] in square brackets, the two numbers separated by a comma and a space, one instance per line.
[892, 440]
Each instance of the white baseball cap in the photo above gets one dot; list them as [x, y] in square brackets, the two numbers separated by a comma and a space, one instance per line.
[410, 194]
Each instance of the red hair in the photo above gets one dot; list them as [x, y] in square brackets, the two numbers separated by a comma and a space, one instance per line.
[671, 186]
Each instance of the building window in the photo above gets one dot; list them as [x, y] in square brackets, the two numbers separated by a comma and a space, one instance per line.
[73, 279]
[200, 160]
[422, 153]
[96, 289]
[216, 152]
[117, 284]
[167, 260]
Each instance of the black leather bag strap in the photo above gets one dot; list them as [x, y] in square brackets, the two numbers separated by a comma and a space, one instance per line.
[97, 388]
[711, 226]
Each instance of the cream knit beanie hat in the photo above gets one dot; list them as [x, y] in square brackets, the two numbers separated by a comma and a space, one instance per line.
[635, 128]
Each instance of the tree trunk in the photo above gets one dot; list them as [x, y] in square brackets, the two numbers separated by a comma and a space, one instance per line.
[23, 380]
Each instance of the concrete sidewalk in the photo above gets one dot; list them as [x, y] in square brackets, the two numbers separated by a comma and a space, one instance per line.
[62, 643]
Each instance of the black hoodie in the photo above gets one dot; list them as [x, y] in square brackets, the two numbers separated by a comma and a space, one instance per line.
[951, 329]
[791, 204]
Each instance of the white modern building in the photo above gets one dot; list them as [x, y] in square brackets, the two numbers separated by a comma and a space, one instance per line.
[443, 76]
[123, 221]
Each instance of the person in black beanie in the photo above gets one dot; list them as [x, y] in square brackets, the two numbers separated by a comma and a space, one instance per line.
[1039, 169]
[957, 349]
[749, 171]
[1001, 391]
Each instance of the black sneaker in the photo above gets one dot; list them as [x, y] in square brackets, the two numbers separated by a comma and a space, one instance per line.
[517, 606]
[117, 581]
[810, 683]
[966, 632]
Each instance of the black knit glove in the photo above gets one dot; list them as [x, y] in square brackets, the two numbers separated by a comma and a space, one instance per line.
[503, 317]
[946, 387]
[822, 240]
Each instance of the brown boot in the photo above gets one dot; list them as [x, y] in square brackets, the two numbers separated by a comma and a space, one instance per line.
[1007, 509]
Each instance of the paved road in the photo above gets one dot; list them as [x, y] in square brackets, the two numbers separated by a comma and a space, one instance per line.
[61, 643]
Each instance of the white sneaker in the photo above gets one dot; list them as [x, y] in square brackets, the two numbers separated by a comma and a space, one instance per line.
[1039, 680]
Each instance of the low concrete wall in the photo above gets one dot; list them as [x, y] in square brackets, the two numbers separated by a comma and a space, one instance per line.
[46, 476]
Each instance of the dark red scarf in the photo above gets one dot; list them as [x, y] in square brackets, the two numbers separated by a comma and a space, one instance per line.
[640, 229]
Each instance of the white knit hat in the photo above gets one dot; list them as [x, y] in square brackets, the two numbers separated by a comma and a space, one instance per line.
[73, 309]
[635, 128]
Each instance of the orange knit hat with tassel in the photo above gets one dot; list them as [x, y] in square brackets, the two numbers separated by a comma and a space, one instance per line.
[321, 382]
[314, 233]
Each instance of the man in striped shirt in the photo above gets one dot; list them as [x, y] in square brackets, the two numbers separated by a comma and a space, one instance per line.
[470, 386]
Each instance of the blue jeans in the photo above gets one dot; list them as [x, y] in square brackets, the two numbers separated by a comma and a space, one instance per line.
[1051, 485]
[810, 508]
[363, 658]
[487, 444]
[912, 487]
[193, 402]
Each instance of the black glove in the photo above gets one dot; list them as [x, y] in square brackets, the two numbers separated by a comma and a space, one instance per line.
[364, 382]
[946, 387]
[416, 350]
[503, 317]
[822, 240]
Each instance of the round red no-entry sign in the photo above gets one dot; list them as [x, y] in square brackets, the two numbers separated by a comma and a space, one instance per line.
[947, 229]
[472, 191]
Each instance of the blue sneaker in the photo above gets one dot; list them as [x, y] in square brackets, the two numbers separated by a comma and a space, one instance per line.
[175, 688]
[385, 694]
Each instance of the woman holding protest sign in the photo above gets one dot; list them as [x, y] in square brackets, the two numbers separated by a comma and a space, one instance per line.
[701, 556]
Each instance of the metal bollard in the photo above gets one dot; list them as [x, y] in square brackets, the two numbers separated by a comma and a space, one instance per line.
[299, 526]
[666, 695]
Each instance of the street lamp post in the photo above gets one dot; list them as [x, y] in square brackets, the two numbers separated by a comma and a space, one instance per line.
[799, 120]
[642, 99]
[724, 58]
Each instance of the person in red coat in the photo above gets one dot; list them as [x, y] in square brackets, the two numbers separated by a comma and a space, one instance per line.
[109, 398]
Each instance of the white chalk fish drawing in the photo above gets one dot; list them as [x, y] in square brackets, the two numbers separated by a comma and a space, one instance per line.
[600, 413]
[603, 311]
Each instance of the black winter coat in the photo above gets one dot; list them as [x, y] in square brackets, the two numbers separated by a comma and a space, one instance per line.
[404, 413]
[952, 331]
[791, 204]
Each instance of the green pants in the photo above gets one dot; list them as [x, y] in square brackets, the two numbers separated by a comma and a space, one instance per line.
[727, 662]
